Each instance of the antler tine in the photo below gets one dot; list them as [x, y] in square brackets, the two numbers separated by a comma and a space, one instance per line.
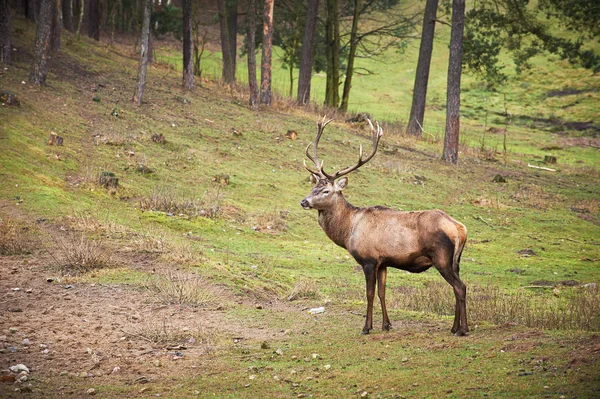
[315, 158]
[376, 135]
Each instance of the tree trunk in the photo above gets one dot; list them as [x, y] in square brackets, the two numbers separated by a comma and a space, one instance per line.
[267, 50]
[188, 46]
[94, 19]
[228, 73]
[41, 48]
[332, 36]
[141, 84]
[67, 14]
[351, 56]
[32, 10]
[80, 8]
[251, 39]
[306, 59]
[417, 110]
[454, 73]
[5, 46]
[56, 27]
[231, 9]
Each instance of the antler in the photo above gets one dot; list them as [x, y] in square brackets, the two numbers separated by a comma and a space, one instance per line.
[376, 135]
[319, 164]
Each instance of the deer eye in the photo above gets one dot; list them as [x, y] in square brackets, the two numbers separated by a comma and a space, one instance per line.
[325, 192]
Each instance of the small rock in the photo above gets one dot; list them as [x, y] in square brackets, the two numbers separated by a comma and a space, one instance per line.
[252, 376]
[157, 363]
[315, 356]
[26, 342]
[364, 394]
[145, 389]
[15, 310]
[327, 366]
[279, 351]
[83, 374]
[18, 368]
[91, 392]
[116, 369]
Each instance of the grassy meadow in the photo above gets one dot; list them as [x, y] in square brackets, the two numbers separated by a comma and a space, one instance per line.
[208, 226]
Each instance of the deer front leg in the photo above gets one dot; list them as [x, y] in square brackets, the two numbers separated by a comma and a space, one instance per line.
[381, 279]
[370, 276]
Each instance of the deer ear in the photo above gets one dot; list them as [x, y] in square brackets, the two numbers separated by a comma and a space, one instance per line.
[314, 179]
[341, 184]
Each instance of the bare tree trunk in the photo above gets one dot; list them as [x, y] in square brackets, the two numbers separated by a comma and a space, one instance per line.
[251, 39]
[141, 84]
[417, 110]
[56, 27]
[332, 36]
[67, 14]
[5, 46]
[231, 10]
[32, 10]
[80, 8]
[41, 50]
[94, 19]
[306, 59]
[351, 56]
[454, 74]
[267, 51]
[228, 73]
[188, 46]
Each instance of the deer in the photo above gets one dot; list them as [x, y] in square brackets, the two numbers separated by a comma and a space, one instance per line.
[379, 237]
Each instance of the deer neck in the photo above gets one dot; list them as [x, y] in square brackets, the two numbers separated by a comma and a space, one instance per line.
[336, 221]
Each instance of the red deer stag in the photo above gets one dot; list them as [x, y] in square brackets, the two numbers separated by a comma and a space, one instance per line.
[379, 237]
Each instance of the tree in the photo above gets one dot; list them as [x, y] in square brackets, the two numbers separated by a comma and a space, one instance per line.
[226, 9]
[188, 46]
[144, 48]
[5, 46]
[560, 27]
[306, 60]
[417, 110]
[332, 38]
[94, 19]
[377, 25]
[67, 14]
[450, 153]
[56, 27]
[251, 42]
[267, 51]
[41, 50]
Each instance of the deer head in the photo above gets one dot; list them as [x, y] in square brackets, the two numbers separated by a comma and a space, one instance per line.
[326, 189]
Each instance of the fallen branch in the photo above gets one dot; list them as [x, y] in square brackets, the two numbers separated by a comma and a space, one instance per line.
[541, 167]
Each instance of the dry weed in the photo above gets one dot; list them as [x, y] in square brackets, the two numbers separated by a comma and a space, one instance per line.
[535, 197]
[305, 289]
[163, 332]
[577, 308]
[174, 287]
[169, 200]
[16, 238]
[271, 222]
[76, 256]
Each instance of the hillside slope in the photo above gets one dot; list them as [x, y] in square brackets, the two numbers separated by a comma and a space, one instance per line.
[215, 209]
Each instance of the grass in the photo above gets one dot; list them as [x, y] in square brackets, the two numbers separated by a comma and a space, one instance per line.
[261, 248]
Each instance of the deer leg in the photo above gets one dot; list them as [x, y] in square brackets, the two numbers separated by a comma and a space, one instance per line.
[370, 276]
[381, 279]
[460, 293]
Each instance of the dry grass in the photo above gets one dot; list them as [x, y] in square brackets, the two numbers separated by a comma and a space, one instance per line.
[536, 197]
[16, 238]
[271, 222]
[305, 289]
[174, 287]
[572, 308]
[163, 332]
[170, 200]
[80, 255]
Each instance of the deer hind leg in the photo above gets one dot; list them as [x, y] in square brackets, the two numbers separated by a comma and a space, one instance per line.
[445, 266]
[381, 279]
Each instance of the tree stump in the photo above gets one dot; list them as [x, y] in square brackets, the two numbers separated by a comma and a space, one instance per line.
[549, 159]
[159, 138]
[9, 98]
[55, 139]
[108, 180]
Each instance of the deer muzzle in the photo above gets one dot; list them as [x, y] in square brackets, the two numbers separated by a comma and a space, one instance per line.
[305, 204]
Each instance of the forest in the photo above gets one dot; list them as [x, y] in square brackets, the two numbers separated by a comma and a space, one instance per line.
[204, 198]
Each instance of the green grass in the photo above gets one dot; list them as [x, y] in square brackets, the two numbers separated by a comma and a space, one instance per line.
[240, 253]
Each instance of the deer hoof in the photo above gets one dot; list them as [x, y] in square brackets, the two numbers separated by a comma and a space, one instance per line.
[365, 331]
[386, 327]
